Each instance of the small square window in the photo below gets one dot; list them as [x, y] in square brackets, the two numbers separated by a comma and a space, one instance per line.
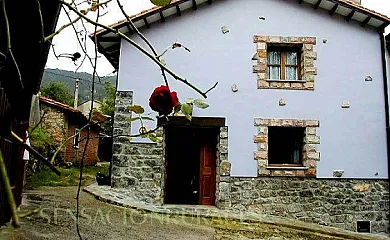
[285, 145]
[283, 63]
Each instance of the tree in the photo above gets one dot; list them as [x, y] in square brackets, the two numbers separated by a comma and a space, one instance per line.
[59, 92]
[108, 106]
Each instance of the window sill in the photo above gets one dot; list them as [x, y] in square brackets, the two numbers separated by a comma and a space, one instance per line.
[287, 168]
[284, 81]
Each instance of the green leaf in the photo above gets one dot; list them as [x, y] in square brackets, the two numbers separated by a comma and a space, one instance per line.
[186, 109]
[133, 119]
[201, 104]
[153, 137]
[147, 118]
[137, 109]
[189, 117]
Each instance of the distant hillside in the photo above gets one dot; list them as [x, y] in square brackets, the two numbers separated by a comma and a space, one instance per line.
[69, 78]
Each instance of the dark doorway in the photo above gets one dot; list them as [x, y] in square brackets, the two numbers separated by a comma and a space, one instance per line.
[190, 165]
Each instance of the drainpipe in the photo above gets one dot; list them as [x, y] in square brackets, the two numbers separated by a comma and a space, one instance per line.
[385, 89]
[76, 93]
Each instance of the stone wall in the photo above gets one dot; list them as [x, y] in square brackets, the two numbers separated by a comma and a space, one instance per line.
[138, 167]
[55, 124]
[331, 202]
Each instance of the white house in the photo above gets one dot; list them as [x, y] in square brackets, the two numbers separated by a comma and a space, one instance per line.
[296, 126]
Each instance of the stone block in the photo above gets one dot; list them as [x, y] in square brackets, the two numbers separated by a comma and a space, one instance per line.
[274, 39]
[261, 155]
[261, 139]
[225, 168]
[262, 53]
[263, 84]
[287, 123]
[275, 122]
[262, 122]
[361, 188]
[313, 155]
[311, 131]
[258, 38]
[307, 47]
[312, 123]
[261, 45]
[276, 85]
[309, 85]
[296, 85]
[262, 146]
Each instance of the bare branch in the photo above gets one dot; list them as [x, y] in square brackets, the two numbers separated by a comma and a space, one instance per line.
[80, 43]
[61, 28]
[74, 21]
[143, 38]
[137, 46]
[36, 125]
[64, 143]
[8, 192]
[40, 19]
[35, 153]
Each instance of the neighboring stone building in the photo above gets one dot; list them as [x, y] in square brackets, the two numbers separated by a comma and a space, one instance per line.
[296, 126]
[62, 121]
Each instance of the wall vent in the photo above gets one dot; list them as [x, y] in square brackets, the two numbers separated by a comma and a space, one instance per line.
[363, 226]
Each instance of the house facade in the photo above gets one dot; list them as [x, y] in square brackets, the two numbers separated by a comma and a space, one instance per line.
[62, 121]
[296, 126]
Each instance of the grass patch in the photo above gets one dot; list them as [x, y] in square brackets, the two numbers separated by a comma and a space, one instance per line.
[69, 176]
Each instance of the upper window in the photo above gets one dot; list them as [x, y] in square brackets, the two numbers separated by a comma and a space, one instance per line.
[283, 64]
[285, 145]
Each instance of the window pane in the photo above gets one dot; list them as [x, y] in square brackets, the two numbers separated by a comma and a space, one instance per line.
[291, 73]
[274, 73]
[291, 58]
[273, 57]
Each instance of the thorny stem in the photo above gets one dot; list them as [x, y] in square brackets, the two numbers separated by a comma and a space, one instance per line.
[8, 192]
[141, 49]
[6, 25]
[88, 133]
[61, 28]
[73, 22]
[40, 19]
[79, 41]
[144, 39]
[9, 51]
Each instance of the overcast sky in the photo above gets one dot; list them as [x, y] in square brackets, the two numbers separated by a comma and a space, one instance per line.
[66, 41]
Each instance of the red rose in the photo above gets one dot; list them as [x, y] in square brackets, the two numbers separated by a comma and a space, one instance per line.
[163, 100]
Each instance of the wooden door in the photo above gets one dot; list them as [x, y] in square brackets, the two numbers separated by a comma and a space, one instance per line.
[207, 174]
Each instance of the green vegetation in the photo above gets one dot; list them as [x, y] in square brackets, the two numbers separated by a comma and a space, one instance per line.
[58, 91]
[108, 107]
[68, 78]
[39, 138]
[69, 176]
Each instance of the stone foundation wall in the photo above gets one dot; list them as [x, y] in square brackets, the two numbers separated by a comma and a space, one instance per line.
[138, 167]
[331, 202]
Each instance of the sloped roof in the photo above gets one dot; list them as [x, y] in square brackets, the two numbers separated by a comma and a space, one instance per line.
[73, 113]
[108, 42]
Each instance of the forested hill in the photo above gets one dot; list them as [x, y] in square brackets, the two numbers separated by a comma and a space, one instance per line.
[69, 79]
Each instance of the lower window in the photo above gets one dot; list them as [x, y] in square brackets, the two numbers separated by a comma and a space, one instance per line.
[285, 145]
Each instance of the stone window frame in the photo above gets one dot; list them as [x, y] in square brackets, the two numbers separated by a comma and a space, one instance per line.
[310, 154]
[308, 56]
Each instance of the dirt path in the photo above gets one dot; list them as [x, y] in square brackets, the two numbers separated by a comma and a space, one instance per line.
[56, 220]
[99, 220]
